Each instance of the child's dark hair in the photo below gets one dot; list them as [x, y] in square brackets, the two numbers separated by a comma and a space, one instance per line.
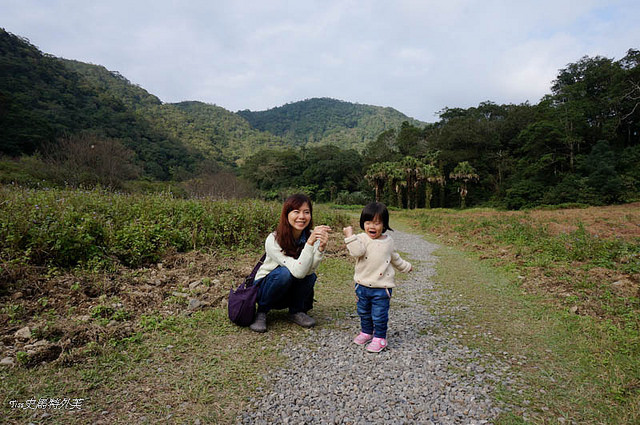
[370, 211]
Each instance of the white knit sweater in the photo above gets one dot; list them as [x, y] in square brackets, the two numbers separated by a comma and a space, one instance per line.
[376, 260]
[300, 267]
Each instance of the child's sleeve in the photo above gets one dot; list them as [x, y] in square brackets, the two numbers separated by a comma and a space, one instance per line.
[355, 246]
[400, 264]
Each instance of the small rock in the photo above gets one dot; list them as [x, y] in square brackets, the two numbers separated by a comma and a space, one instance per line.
[194, 284]
[23, 334]
[7, 361]
[574, 309]
[17, 295]
[194, 304]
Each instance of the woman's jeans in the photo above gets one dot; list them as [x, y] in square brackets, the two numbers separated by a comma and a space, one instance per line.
[373, 309]
[280, 289]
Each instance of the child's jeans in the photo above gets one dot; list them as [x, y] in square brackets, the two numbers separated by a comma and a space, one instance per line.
[280, 289]
[373, 309]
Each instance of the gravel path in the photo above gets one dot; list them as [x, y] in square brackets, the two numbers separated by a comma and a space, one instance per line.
[425, 376]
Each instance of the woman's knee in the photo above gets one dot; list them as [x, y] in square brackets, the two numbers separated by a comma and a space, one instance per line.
[281, 275]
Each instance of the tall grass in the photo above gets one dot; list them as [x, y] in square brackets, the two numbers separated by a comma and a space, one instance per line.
[97, 228]
[559, 293]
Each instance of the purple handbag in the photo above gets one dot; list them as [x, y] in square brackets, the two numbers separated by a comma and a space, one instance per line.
[242, 301]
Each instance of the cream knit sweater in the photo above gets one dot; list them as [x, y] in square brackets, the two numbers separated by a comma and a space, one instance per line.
[376, 260]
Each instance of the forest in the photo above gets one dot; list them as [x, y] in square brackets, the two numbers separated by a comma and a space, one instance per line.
[66, 123]
[579, 144]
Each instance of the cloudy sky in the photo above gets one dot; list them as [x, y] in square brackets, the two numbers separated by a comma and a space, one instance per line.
[415, 56]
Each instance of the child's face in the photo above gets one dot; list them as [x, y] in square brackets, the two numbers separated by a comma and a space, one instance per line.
[374, 227]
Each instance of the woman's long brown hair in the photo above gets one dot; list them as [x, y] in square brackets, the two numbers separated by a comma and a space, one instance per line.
[284, 232]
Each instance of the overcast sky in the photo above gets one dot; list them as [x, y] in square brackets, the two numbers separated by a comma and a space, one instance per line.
[415, 56]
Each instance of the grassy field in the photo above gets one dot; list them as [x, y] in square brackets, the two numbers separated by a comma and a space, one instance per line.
[134, 338]
[554, 293]
[136, 335]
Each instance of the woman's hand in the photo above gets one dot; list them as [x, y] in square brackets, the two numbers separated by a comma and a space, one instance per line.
[320, 233]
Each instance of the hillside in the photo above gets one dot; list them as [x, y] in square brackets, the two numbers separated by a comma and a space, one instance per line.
[43, 98]
[114, 83]
[211, 130]
[327, 121]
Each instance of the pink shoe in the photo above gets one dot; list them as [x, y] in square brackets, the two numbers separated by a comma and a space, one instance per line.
[377, 345]
[362, 338]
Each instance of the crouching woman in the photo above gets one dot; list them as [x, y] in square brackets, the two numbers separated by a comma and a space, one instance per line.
[293, 252]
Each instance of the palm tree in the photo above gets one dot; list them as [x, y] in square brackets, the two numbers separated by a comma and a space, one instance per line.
[465, 173]
[395, 177]
[377, 177]
[431, 175]
[410, 167]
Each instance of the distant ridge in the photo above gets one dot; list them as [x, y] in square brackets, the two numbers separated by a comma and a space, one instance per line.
[44, 97]
[327, 121]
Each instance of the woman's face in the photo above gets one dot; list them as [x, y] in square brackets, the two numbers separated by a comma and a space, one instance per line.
[299, 219]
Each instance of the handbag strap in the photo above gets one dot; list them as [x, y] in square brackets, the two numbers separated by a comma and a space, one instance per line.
[252, 276]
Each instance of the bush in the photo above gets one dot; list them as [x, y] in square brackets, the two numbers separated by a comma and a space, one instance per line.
[68, 228]
[65, 228]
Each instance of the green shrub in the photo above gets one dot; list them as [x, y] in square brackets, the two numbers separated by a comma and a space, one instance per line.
[69, 228]
[66, 228]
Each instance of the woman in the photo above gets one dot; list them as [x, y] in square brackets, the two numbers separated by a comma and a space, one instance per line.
[287, 276]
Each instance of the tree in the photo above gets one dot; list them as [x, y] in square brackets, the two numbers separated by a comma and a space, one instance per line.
[377, 177]
[465, 173]
[431, 176]
[383, 148]
[410, 168]
[89, 160]
[395, 179]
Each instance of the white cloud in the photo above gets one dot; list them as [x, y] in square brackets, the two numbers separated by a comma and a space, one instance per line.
[417, 56]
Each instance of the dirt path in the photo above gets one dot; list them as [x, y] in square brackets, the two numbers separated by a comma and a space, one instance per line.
[425, 375]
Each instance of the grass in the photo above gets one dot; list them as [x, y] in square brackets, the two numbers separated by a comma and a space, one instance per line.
[572, 368]
[175, 367]
[178, 367]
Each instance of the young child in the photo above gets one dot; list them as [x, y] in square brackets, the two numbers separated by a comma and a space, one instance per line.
[374, 274]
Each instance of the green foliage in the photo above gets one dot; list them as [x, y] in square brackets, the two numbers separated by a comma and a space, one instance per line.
[66, 228]
[97, 229]
[578, 144]
[327, 121]
[43, 98]
[219, 136]
[320, 171]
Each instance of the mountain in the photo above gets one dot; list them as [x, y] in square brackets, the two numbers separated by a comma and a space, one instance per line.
[114, 83]
[327, 121]
[43, 97]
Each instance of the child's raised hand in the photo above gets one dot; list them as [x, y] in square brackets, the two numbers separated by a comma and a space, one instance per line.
[348, 231]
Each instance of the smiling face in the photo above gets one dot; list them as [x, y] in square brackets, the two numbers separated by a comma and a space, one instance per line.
[299, 219]
[374, 228]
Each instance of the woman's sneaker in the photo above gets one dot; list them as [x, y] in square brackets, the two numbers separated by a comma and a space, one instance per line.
[260, 323]
[377, 345]
[302, 319]
[362, 338]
